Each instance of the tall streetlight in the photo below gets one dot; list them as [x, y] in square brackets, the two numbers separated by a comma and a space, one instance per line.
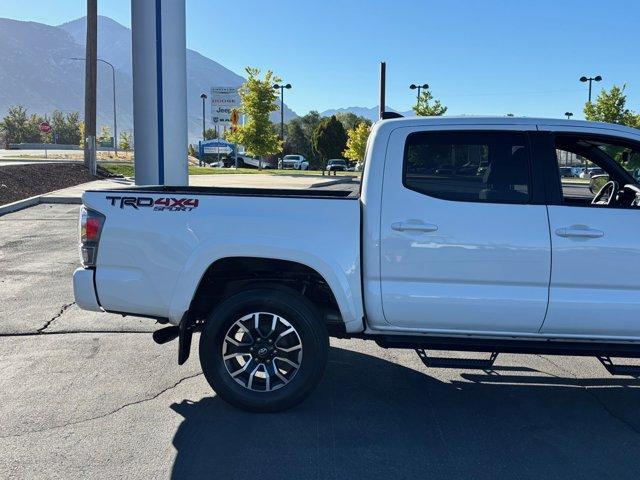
[413, 86]
[281, 88]
[583, 79]
[203, 96]
[569, 115]
[115, 118]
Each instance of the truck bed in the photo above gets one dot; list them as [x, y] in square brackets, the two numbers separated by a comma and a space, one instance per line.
[158, 241]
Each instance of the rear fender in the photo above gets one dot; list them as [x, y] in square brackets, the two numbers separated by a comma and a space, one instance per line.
[341, 273]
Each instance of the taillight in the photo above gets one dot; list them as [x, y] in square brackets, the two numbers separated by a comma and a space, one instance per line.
[91, 223]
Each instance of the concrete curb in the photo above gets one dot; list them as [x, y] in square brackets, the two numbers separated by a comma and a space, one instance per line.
[45, 198]
[37, 200]
[19, 205]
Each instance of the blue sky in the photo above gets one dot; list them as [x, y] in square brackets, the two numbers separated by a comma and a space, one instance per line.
[480, 57]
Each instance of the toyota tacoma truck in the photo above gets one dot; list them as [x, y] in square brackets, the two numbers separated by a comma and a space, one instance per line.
[463, 237]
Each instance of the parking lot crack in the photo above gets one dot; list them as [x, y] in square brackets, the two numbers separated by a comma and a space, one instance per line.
[104, 415]
[55, 317]
[593, 395]
[72, 332]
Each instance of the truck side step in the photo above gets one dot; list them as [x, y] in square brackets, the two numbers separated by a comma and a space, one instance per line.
[463, 363]
[613, 369]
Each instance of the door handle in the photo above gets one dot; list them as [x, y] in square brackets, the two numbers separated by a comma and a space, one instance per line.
[579, 231]
[413, 227]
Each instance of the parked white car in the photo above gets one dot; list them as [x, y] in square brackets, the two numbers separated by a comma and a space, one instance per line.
[297, 162]
[248, 161]
[462, 238]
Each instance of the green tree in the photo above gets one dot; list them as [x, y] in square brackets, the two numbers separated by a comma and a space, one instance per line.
[329, 139]
[210, 134]
[66, 128]
[125, 141]
[350, 120]
[296, 139]
[611, 106]
[425, 108]
[105, 139]
[357, 142]
[258, 99]
[19, 127]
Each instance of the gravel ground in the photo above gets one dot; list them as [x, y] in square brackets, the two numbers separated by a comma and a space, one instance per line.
[24, 181]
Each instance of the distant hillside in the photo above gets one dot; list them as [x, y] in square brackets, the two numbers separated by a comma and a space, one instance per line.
[37, 71]
[370, 113]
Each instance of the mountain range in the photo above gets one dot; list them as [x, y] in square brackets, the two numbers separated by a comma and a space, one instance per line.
[39, 72]
[370, 113]
[42, 70]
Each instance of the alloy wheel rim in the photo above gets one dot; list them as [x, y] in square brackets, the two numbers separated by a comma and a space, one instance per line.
[262, 351]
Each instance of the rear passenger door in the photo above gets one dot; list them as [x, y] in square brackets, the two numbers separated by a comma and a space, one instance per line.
[464, 232]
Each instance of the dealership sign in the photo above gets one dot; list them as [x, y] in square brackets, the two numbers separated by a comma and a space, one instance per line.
[216, 147]
[223, 101]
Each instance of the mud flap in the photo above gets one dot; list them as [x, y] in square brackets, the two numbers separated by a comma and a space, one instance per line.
[184, 338]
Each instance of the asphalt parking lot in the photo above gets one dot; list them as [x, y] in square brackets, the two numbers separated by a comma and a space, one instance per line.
[89, 395]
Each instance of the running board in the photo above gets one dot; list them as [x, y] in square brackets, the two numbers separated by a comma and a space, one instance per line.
[462, 363]
[613, 369]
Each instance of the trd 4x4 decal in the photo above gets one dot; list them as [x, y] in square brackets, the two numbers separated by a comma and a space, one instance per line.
[169, 204]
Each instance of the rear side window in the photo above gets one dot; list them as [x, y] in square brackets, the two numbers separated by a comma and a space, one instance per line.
[490, 167]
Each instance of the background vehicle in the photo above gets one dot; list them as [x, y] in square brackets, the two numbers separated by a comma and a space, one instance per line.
[590, 172]
[565, 172]
[247, 161]
[297, 162]
[576, 171]
[337, 165]
[490, 259]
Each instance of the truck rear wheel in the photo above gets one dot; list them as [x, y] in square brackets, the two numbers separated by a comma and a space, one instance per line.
[264, 350]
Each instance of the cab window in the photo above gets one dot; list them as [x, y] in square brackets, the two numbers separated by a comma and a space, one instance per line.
[490, 167]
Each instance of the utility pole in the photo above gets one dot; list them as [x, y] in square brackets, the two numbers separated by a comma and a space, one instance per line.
[383, 86]
[91, 56]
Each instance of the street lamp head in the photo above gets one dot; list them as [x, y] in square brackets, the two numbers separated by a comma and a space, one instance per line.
[276, 86]
[425, 86]
[203, 96]
[568, 114]
[584, 79]
[287, 86]
[413, 86]
[598, 78]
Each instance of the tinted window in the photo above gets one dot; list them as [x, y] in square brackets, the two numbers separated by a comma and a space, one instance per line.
[468, 166]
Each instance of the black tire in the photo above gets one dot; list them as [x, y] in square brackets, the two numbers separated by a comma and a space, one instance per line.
[309, 331]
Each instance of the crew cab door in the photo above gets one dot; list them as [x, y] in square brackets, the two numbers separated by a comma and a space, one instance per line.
[595, 279]
[464, 233]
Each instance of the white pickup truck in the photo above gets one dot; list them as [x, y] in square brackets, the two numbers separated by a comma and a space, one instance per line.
[463, 237]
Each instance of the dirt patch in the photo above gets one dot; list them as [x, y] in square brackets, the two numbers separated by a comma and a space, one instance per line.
[24, 181]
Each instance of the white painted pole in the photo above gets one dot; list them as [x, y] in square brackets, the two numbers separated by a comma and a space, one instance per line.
[159, 92]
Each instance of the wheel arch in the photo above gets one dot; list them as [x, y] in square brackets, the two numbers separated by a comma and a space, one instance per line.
[200, 288]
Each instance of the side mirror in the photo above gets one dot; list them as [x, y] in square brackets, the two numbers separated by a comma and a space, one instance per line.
[597, 182]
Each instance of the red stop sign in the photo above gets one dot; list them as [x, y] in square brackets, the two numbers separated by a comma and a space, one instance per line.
[45, 127]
